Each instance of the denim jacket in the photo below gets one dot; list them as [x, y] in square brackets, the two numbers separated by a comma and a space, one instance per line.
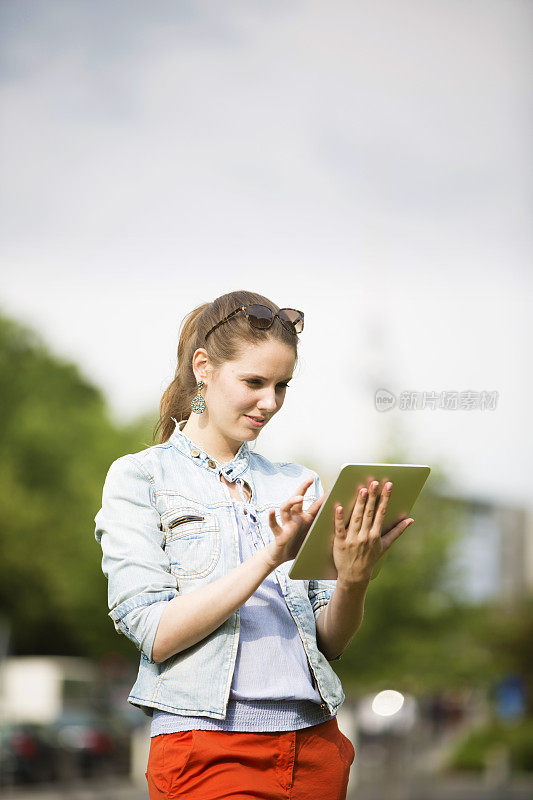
[166, 527]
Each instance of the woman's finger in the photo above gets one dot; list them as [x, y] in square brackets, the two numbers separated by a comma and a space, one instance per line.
[289, 507]
[297, 507]
[368, 514]
[272, 521]
[315, 507]
[284, 507]
[302, 488]
[357, 513]
[396, 532]
[340, 528]
[305, 485]
[380, 513]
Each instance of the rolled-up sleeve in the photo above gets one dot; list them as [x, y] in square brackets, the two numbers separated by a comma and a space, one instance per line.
[137, 568]
[320, 591]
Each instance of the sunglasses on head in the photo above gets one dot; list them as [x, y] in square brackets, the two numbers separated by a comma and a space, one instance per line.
[262, 317]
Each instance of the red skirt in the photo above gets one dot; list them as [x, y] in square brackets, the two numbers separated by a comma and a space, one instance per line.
[304, 764]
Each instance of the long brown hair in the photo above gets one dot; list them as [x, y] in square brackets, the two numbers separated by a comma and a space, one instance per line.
[226, 343]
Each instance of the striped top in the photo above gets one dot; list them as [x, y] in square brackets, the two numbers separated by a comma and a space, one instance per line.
[272, 687]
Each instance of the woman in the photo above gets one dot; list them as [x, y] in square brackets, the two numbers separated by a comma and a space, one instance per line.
[198, 533]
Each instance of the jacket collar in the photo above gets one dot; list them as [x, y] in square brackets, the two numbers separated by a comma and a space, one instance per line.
[231, 470]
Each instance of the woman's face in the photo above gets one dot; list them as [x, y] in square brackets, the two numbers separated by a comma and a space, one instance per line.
[252, 386]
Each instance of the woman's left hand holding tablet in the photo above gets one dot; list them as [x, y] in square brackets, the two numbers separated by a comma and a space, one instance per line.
[295, 524]
[358, 547]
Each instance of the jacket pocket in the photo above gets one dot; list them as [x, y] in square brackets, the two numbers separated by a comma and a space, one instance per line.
[184, 519]
[192, 541]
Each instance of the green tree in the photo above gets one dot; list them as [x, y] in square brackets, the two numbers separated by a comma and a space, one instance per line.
[56, 444]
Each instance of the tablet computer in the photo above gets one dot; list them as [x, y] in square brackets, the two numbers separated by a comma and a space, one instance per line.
[314, 560]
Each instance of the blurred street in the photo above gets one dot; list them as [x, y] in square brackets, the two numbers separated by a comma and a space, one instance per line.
[107, 789]
[398, 771]
[459, 788]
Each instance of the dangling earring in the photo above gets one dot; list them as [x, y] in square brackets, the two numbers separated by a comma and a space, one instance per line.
[198, 403]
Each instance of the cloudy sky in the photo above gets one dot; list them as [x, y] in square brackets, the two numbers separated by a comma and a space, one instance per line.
[367, 162]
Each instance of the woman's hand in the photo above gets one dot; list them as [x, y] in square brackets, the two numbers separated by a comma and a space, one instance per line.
[357, 548]
[295, 523]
